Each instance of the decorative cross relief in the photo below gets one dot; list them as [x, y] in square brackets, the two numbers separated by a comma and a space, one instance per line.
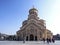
[31, 29]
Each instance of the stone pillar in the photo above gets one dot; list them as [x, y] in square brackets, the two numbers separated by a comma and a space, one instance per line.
[25, 38]
[34, 37]
[37, 37]
[29, 38]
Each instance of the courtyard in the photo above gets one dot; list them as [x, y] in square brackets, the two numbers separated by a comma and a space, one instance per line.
[28, 43]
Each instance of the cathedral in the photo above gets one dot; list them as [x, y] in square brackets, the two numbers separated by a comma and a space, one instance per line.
[33, 29]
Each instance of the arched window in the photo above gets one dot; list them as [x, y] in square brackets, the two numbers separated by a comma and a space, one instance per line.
[40, 34]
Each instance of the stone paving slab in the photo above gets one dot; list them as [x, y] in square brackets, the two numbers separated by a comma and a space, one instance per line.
[28, 43]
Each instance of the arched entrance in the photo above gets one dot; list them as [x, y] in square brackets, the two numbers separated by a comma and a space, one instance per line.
[26, 38]
[35, 38]
[31, 37]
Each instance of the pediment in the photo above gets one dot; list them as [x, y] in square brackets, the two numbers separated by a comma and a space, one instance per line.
[33, 25]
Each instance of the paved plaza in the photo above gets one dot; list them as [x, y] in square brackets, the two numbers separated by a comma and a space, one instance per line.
[28, 43]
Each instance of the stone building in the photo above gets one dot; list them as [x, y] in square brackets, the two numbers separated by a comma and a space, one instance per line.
[33, 28]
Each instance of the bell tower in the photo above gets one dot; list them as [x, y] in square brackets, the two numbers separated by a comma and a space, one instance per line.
[33, 14]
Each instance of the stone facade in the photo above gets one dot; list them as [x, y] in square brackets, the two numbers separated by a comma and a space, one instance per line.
[33, 28]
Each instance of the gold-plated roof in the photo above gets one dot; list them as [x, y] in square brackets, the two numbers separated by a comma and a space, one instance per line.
[33, 9]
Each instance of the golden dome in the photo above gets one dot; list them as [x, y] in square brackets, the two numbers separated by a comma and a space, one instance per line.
[33, 10]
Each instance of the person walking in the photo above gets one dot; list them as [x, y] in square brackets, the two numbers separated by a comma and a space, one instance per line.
[24, 40]
[44, 40]
[48, 40]
[53, 40]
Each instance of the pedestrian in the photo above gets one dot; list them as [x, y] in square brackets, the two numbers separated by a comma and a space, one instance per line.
[24, 40]
[48, 40]
[44, 40]
[53, 40]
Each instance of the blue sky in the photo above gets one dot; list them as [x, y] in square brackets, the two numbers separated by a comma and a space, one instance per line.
[14, 12]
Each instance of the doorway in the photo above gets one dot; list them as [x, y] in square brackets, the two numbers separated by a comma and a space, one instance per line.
[35, 38]
[26, 38]
[31, 37]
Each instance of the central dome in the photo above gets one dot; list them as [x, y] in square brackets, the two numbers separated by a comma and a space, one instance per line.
[33, 10]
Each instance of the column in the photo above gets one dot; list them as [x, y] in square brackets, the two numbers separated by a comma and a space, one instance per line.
[34, 37]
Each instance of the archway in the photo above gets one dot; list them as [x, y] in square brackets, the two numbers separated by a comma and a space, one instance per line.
[35, 38]
[26, 38]
[31, 37]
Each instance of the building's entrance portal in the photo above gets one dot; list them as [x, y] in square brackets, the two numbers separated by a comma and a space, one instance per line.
[35, 38]
[27, 38]
[31, 37]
